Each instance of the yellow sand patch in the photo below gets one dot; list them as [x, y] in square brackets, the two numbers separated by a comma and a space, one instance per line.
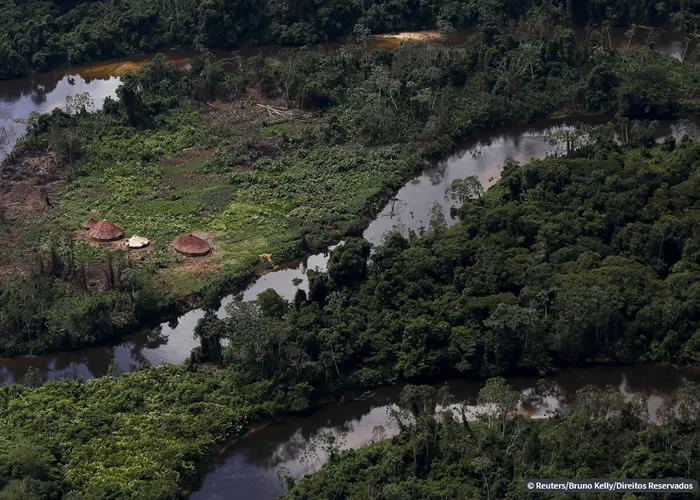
[396, 39]
[120, 66]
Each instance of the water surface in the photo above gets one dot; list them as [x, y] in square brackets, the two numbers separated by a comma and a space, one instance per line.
[249, 470]
[482, 155]
[295, 445]
[172, 342]
[42, 92]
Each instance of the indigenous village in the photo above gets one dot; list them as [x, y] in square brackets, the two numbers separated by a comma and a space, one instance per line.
[349, 250]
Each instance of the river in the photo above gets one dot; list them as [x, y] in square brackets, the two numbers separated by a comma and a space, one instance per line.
[42, 92]
[171, 342]
[482, 155]
[249, 468]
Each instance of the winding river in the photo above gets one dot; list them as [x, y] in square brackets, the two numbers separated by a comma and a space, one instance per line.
[294, 446]
[250, 467]
[42, 92]
[171, 342]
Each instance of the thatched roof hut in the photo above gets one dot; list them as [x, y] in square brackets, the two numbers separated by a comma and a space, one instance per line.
[105, 231]
[191, 245]
[87, 225]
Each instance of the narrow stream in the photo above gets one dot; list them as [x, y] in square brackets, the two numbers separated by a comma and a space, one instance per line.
[42, 92]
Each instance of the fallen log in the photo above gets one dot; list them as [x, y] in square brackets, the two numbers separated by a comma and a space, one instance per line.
[274, 111]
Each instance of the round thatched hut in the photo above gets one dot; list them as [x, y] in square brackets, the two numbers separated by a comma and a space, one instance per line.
[191, 245]
[87, 225]
[105, 231]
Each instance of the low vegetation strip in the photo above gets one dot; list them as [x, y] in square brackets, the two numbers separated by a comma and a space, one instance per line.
[538, 273]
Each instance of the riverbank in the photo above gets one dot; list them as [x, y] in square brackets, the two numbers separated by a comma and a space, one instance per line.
[585, 256]
[295, 445]
[106, 31]
[199, 192]
[207, 162]
[389, 296]
[142, 417]
[167, 422]
[172, 341]
[446, 456]
[248, 189]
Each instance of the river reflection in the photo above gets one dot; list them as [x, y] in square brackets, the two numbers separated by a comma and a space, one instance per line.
[42, 92]
[668, 43]
[287, 281]
[484, 157]
[172, 342]
[249, 469]
[133, 350]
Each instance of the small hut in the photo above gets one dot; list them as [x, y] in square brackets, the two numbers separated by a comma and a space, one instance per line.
[191, 245]
[87, 225]
[105, 231]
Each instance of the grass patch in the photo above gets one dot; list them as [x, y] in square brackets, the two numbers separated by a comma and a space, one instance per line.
[250, 190]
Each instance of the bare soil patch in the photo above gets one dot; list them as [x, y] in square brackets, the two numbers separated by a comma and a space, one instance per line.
[22, 198]
[9, 271]
[252, 108]
[41, 166]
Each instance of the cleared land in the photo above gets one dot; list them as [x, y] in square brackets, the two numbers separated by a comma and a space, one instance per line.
[240, 174]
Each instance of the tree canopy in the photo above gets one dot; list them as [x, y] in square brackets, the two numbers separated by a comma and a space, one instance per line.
[440, 455]
[42, 34]
[589, 256]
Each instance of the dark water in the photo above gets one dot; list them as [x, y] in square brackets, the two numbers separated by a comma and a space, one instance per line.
[484, 156]
[42, 92]
[668, 43]
[249, 468]
[172, 342]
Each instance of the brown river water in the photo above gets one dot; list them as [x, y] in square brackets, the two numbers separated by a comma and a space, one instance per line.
[42, 92]
[171, 342]
[249, 468]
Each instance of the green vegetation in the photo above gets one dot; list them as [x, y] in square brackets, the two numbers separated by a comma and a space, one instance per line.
[541, 271]
[447, 457]
[144, 435]
[250, 189]
[565, 260]
[41, 34]
[182, 152]
[591, 256]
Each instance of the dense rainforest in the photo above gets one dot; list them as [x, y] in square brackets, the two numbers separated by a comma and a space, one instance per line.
[41, 34]
[589, 256]
[565, 259]
[373, 116]
[439, 454]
